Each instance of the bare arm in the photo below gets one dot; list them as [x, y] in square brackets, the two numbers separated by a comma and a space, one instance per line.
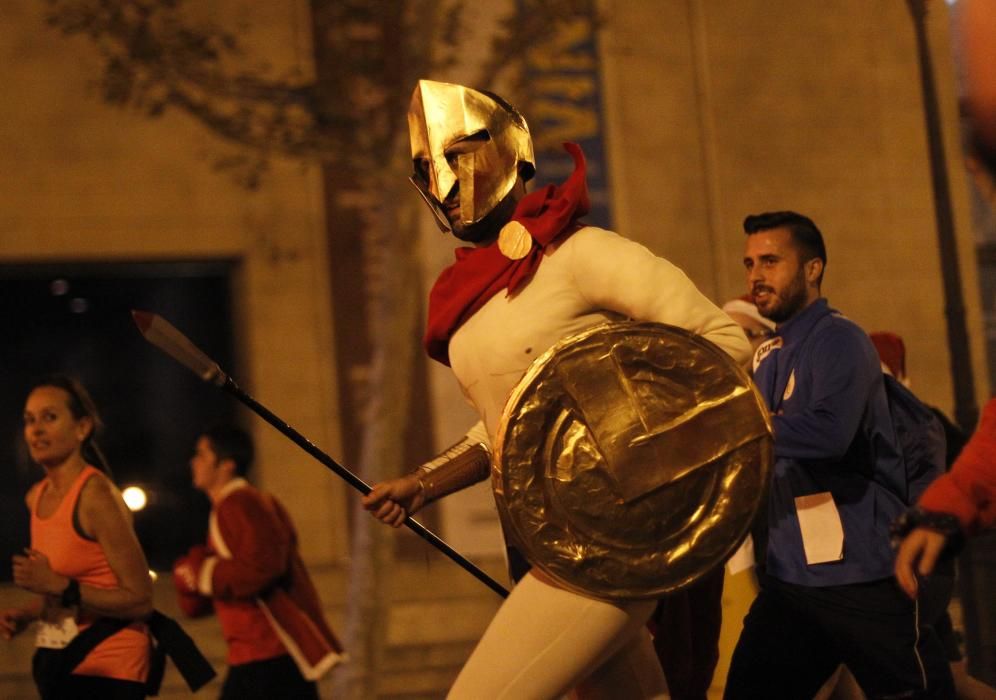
[917, 555]
[103, 516]
[14, 620]
[103, 513]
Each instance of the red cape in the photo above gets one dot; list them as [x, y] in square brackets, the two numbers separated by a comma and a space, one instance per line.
[549, 214]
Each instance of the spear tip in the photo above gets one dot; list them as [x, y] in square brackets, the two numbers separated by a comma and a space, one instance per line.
[143, 319]
[162, 334]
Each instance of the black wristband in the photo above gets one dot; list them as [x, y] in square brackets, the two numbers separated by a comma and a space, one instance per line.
[70, 597]
[941, 523]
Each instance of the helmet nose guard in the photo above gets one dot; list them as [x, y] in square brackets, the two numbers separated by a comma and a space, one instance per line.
[446, 123]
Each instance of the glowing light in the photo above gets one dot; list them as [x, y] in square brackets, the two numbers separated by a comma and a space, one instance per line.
[59, 287]
[135, 498]
[79, 305]
[153, 575]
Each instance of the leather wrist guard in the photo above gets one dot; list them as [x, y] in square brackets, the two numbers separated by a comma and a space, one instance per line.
[462, 465]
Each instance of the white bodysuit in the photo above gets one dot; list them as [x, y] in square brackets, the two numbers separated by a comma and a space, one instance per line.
[592, 277]
[545, 640]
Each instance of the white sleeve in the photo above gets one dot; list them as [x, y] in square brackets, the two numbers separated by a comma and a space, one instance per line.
[614, 273]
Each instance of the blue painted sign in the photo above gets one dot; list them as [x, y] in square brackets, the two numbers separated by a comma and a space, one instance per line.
[565, 104]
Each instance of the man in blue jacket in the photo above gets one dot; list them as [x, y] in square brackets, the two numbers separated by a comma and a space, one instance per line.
[827, 593]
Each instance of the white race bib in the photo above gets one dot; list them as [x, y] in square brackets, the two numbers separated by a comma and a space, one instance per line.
[822, 531]
[56, 635]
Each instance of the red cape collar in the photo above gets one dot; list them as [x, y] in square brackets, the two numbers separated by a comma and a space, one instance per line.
[549, 214]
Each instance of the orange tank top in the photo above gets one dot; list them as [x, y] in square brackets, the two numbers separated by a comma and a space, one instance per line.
[125, 654]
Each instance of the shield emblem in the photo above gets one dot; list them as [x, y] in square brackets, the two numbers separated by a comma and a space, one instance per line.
[631, 459]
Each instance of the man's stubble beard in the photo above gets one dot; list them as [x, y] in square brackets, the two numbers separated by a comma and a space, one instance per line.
[791, 302]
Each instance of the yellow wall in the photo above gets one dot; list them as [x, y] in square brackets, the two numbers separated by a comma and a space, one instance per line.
[713, 110]
[722, 109]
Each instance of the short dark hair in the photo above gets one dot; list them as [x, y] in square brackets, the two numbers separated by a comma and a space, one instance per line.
[230, 442]
[805, 234]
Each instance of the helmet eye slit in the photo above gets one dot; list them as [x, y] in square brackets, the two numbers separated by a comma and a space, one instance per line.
[467, 144]
[421, 170]
[472, 142]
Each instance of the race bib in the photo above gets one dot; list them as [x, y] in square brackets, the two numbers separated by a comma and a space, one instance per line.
[56, 635]
[822, 531]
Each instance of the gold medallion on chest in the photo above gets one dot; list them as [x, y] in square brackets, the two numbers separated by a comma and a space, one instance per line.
[514, 241]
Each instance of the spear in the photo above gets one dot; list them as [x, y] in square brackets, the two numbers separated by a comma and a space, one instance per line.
[166, 337]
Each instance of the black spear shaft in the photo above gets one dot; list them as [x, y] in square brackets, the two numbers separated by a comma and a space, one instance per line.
[163, 335]
[266, 414]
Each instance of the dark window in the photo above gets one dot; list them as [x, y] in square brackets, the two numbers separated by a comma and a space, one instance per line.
[76, 319]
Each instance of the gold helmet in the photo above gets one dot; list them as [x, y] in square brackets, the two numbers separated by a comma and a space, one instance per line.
[464, 137]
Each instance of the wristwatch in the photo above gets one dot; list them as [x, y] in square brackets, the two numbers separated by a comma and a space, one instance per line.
[70, 597]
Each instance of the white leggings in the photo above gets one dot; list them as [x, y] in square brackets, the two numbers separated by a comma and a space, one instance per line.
[545, 641]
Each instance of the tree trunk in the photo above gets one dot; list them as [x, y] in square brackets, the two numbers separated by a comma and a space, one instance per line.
[394, 309]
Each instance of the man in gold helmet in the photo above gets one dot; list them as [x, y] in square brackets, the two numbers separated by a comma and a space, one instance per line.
[534, 276]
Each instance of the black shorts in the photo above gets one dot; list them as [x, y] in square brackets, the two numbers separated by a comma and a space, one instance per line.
[76, 687]
[271, 679]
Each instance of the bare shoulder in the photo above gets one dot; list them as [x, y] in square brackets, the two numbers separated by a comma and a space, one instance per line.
[98, 489]
[32, 494]
[101, 501]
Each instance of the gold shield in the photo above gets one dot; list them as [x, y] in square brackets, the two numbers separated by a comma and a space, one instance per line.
[631, 459]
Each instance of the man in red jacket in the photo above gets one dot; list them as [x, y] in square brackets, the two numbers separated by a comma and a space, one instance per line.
[279, 643]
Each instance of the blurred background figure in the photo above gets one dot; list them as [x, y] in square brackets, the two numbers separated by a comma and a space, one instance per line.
[958, 504]
[85, 561]
[252, 575]
[935, 598]
[686, 626]
[978, 40]
[892, 352]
